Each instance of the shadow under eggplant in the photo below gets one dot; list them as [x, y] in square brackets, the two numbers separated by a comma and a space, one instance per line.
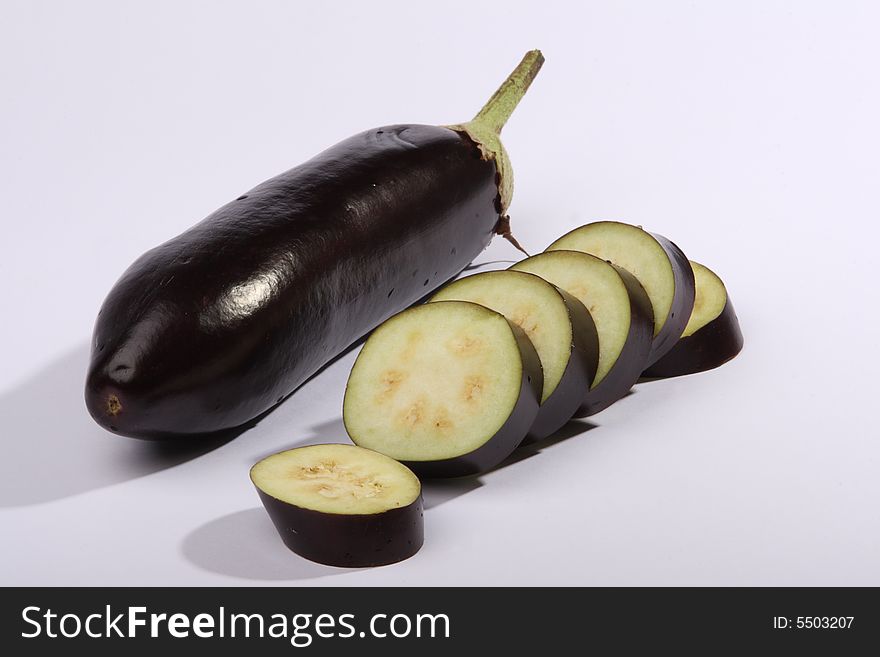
[245, 545]
[54, 450]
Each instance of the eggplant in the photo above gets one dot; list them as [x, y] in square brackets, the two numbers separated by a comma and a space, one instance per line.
[342, 505]
[622, 313]
[559, 327]
[712, 335]
[213, 328]
[659, 265]
[449, 388]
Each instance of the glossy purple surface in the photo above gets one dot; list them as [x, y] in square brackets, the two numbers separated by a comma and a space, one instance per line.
[219, 324]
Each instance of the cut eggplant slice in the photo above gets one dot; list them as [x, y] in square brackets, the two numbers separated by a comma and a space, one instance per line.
[342, 505]
[450, 388]
[658, 264]
[621, 310]
[559, 326]
[712, 335]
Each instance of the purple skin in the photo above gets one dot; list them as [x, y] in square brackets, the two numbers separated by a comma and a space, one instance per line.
[211, 329]
[567, 398]
[682, 301]
[349, 540]
[707, 348]
[634, 355]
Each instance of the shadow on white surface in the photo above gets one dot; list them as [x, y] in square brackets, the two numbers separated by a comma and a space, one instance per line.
[245, 545]
[53, 449]
[489, 265]
[332, 431]
[570, 430]
[439, 491]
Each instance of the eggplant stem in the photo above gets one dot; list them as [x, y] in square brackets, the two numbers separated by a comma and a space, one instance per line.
[485, 128]
[500, 106]
[503, 228]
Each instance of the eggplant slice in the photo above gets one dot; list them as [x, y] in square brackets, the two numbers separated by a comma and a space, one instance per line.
[621, 311]
[559, 326]
[450, 388]
[342, 505]
[658, 264]
[712, 335]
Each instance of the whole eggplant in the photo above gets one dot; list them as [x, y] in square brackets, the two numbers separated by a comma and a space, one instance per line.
[214, 327]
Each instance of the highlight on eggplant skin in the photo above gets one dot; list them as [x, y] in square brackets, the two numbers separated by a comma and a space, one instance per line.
[712, 336]
[211, 329]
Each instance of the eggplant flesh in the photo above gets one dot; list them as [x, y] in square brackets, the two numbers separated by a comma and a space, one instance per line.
[567, 400]
[449, 388]
[506, 439]
[622, 314]
[219, 324]
[635, 353]
[659, 265]
[712, 336]
[682, 302]
[342, 505]
[559, 326]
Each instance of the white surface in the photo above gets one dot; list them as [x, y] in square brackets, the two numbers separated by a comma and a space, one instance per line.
[745, 131]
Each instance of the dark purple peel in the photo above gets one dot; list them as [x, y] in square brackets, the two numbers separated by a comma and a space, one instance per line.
[219, 324]
[349, 541]
[682, 301]
[631, 362]
[591, 280]
[636, 250]
[216, 326]
[709, 347]
[566, 400]
[342, 505]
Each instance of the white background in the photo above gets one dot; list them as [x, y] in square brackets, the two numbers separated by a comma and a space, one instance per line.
[748, 132]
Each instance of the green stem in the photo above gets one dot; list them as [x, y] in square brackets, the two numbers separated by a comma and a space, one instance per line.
[485, 128]
[500, 106]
